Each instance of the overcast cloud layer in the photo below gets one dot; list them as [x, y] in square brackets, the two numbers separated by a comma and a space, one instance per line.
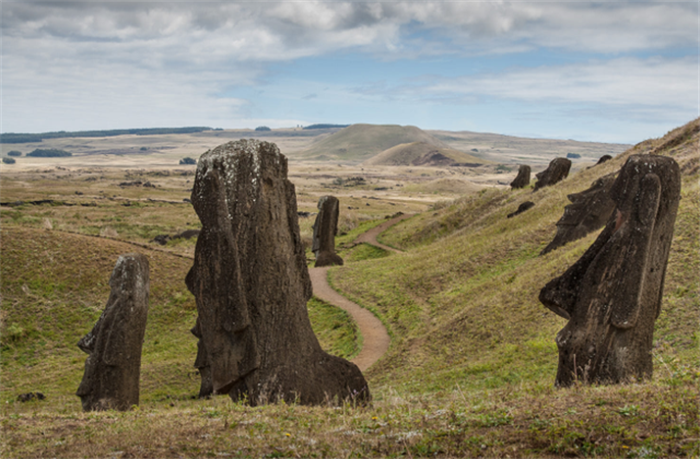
[611, 71]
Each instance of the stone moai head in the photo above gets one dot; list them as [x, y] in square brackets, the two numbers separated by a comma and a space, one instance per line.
[113, 366]
[325, 230]
[589, 210]
[557, 171]
[612, 295]
[523, 178]
[251, 285]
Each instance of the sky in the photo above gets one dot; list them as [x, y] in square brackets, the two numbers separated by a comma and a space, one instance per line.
[610, 71]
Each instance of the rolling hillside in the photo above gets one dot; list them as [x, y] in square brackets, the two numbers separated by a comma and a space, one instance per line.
[422, 154]
[462, 301]
[362, 141]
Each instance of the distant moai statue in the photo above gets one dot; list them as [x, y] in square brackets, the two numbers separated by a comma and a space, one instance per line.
[527, 205]
[113, 366]
[612, 294]
[603, 159]
[523, 178]
[557, 171]
[589, 210]
[325, 230]
[251, 285]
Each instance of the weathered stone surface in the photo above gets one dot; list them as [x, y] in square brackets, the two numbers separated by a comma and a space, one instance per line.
[589, 210]
[522, 208]
[612, 294]
[113, 366]
[325, 230]
[523, 178]
[251, 285]
[557, 171]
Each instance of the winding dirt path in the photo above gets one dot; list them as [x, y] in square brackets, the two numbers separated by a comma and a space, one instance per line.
[375, 337]
[370, 237]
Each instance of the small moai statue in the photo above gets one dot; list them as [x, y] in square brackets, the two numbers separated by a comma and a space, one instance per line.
[612, 295]
[113, 365]
[523, 178]
[523, 207]
[589, 210]
[603, 159]
[251, 285]
[557, 171]
[325, 230]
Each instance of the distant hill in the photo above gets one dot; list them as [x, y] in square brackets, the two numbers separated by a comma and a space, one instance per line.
[422, 154]
[363, 141]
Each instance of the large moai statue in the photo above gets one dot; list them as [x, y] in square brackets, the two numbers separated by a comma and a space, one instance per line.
[612, 295]
[113, 366]
[523, 178]
[325, 230]
[251, 285]
[557, 171]
[589, 210]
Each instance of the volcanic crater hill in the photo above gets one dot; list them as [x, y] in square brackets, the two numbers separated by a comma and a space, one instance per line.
[462, 303]
[360, 142]
[423, 154]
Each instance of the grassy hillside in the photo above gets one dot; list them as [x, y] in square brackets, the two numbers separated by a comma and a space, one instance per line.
[54, 287]
[362, 141]
[462, 301]
[421, 153]
[469, 373]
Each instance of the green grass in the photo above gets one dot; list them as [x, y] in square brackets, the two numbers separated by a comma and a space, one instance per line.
[335, 330]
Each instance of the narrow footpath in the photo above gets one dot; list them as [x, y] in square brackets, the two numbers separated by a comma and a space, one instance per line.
[375, 337]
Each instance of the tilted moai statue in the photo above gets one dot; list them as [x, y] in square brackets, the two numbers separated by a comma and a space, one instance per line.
[589, 210]
[113, 366]
[523, 178]
[612, 294]
[325, 230]
[251, 285]
[557, 171]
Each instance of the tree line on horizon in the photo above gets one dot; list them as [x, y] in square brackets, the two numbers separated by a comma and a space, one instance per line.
[26, 137]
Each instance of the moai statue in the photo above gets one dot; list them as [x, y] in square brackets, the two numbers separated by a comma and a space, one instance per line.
[612, 295]
[113, 366]
[251, 285]
[523, 178]
[527, 205]
[603, 159]
[557, 171]
[589, 210]
[325, 230]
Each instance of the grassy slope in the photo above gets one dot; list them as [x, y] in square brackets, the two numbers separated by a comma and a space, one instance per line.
[471, 366]
[54, 287]
[361, 141]
[463, 300]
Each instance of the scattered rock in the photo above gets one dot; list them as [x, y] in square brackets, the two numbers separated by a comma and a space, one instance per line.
[325, 230]
[612, 295]
[522, 208]
[589, 210]
[161, 239]
[29, 396]
[113, 366]
[523, 178]
[251, 285]
[557, 171]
